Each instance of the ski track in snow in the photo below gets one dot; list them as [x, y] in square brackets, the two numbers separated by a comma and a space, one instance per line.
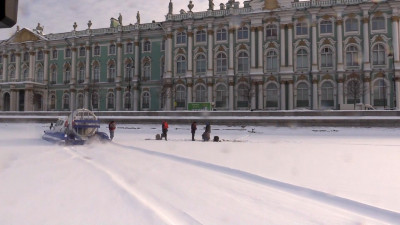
[339, 202]
[167, 213]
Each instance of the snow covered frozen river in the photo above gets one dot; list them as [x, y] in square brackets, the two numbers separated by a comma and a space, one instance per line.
[270, 176]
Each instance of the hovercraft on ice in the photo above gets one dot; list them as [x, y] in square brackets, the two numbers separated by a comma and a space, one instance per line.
[80, 127]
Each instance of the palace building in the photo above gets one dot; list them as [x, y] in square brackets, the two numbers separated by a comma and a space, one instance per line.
[259, 55]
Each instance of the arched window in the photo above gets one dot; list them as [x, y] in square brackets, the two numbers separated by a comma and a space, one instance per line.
[146, 100]
[200, 64]
[129, 48]
[12, 58]
[147, 46]
[243, 62]
[379, 92]
[52, 102]
[222, 96]
[326, 57]
[96, 51]
[39, 75]
[271, 32]
[221, 35]
[81, 74]
[272, 61]
[12, 73]
[378, 23]
[95, 100]
[80, 101]
[82, 51]
[96, 73]
[243, 96]
[180, 97]
[53, 75]
[67, 77]
[243, 33]
[111, 72]
[301, 29]
[325, 27]
[201, 94]
[272, 96]
[127, 100]
[302, 59]
[25, 58]
[327, 94]
[181, 65]
[111, 50]
[302, 95]
[40, 55]
[222, 65]
[379, 55]
[1, 73]
[25, 73]
[181, 38]
[129, 68]
[201, 36]
[68, 53]
[352, 56]
[110, 101]
[66, 102]
[146, 71]
[351, 24]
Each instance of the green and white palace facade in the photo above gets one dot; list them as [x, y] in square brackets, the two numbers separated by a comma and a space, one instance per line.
[260, 55]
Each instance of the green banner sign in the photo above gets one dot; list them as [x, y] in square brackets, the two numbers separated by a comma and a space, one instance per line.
[199, 106]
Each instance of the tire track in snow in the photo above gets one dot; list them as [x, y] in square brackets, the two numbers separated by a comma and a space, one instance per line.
[167, 213]
[370, 211]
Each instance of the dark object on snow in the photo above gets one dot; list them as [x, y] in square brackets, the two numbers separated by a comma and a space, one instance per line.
[216, 139]
[206, 136]
[158, 137]
[164, 127]
[193, 129]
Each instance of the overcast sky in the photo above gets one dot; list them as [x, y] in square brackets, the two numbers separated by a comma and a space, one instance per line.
[59, 15]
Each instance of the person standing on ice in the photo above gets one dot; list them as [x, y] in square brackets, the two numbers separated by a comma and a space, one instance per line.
[207, 132]
[164, 127]
[111, 127]
[193, 129]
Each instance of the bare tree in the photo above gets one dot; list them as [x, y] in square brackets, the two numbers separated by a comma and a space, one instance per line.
[354, 90]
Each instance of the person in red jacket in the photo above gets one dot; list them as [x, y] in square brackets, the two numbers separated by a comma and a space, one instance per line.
[164, 128]
[111, 127]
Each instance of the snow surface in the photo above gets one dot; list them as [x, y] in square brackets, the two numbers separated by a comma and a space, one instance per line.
[332, 176]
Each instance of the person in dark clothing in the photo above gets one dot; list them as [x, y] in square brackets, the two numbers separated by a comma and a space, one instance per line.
[207, 132]
[208, 128]
[164, 128]
[111, 127]
[193, 129]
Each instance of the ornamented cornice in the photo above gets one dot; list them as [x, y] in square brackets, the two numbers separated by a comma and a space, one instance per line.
[339, 22]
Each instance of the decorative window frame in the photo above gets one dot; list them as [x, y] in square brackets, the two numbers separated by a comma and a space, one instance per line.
[387, 90]
[94, 64]
[24, 67]
[353, 33]
[66, 54]
[195, 91]
[236, 93]
[27, 60]
[220, 49]
[109, 93]
[334, 86]
[176, 65]
[181, 33]
[52, 107]
[132, 68]
[295, 88]
[144, 61]
[238, 51]
[65, 67]
[325, 19]
[307, 25]
[265, 88]
[197, 54]
[78, 72]
[95, 51]
[40, 55]
[145, 91]
[276, 24]
[218, 84]
[53, 67]
[146, 45]
[111, 62]
[110, 51]
[203, 32]
[37, 69]
[322, 45]
[271, 46]
[127, 47]
[80, 52]
[128, 94]
[80, 94]
[380, 31]
[301, 44]
[386, 47]
[66, 94]
[175, 97]
[54, 54]
[248, 33]
[226, 28]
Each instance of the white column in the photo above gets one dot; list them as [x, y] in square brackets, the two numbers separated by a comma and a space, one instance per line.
[231, 40]
[31, 66]
[73, 66]
[135, 99]
[340, 45]
[253, 48]
[395, 32]
[253, 95]
[210, 71]
[17, 66]
[290, 46]
[189, 92]
[169, 56]
[366, 39]
[290, 103]
[315, 95]
[260, 96]
[231, 96]
[260, 49]
[5, 66]
[119, 62]
[210, 91]
[137, 59]
[314, 46]
[46, 68]
[283, 46]
[73, 100]
[87, 68]
[283, 96]
[340, 91]
[86, 99]
[189, 72]
[14, 100]
[168, 101]
[397, 93]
